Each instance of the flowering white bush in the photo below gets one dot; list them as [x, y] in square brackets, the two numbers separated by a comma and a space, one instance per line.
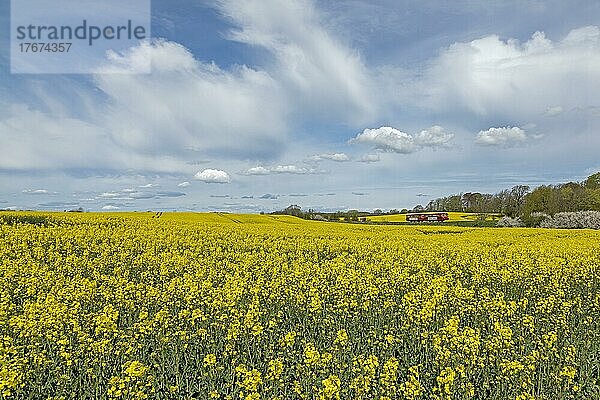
[534, 220]
[573, 220]
[508, 222]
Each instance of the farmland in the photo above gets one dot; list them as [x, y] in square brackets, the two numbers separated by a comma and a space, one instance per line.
[453, 217]
[226, 306]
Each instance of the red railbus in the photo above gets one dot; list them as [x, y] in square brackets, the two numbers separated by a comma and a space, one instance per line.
[427, 217]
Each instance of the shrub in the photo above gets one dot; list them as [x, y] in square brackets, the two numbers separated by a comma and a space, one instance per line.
[535, 219]
[573, 220]
[508, 222]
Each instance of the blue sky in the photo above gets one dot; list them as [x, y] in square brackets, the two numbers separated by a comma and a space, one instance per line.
[255, 105]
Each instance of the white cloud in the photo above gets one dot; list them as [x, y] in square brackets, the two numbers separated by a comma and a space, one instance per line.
[491, 76]
[435, 136]
[553, 111]
[33, 140]
[257, 171]
[309, 62]
[388, 139]
[184, 184]
[148, 121]
[110, 207]
[338, 157]
[280, 169]
[213, 176]
[391, 139]
[36, 191]
[188, 104]
[110, 195]
[506, 136]
[292, 169]
[370, 158]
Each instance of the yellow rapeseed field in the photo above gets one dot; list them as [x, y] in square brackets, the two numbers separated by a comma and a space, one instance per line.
[452, 216]
[221, 306]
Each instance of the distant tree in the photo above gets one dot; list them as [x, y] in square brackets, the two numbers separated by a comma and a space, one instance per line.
[593, 181]
[592, 199]
[515, 200]
[418, 208]
[452, 203]
[294, 210]
[539, 200]
[572, 197]
[352, 215]
[469, 199]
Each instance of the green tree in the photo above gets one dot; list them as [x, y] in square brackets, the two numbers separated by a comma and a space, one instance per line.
[593, 181]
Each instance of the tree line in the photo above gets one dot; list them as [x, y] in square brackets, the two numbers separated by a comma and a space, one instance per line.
[521, 201]
[517, 202]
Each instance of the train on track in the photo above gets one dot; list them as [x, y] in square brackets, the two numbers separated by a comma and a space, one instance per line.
[427, 217]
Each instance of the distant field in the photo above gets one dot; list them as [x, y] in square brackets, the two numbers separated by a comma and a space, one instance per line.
[225, 218]
[210, 218]
[454, 216]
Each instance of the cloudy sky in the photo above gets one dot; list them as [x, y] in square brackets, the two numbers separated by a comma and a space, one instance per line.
[257, 104]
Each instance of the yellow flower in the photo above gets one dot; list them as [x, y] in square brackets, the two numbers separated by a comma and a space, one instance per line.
[275, 369]
[135, 369]
[311, 354]
[210, 359]
[289, 339]
[331, 387]
[341, 337]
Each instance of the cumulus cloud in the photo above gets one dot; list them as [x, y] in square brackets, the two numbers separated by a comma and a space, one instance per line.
[184, 184]
[37, 191]
[435, 136]
[391, 139]
[370, 158]
[506, 136]
[492, 76]
[338, 157]
[188, 104]
[213, 176]
[388, 139]
[280, 169]
[553, 111]
[292, 169]
[110, 207]
[257, 171]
